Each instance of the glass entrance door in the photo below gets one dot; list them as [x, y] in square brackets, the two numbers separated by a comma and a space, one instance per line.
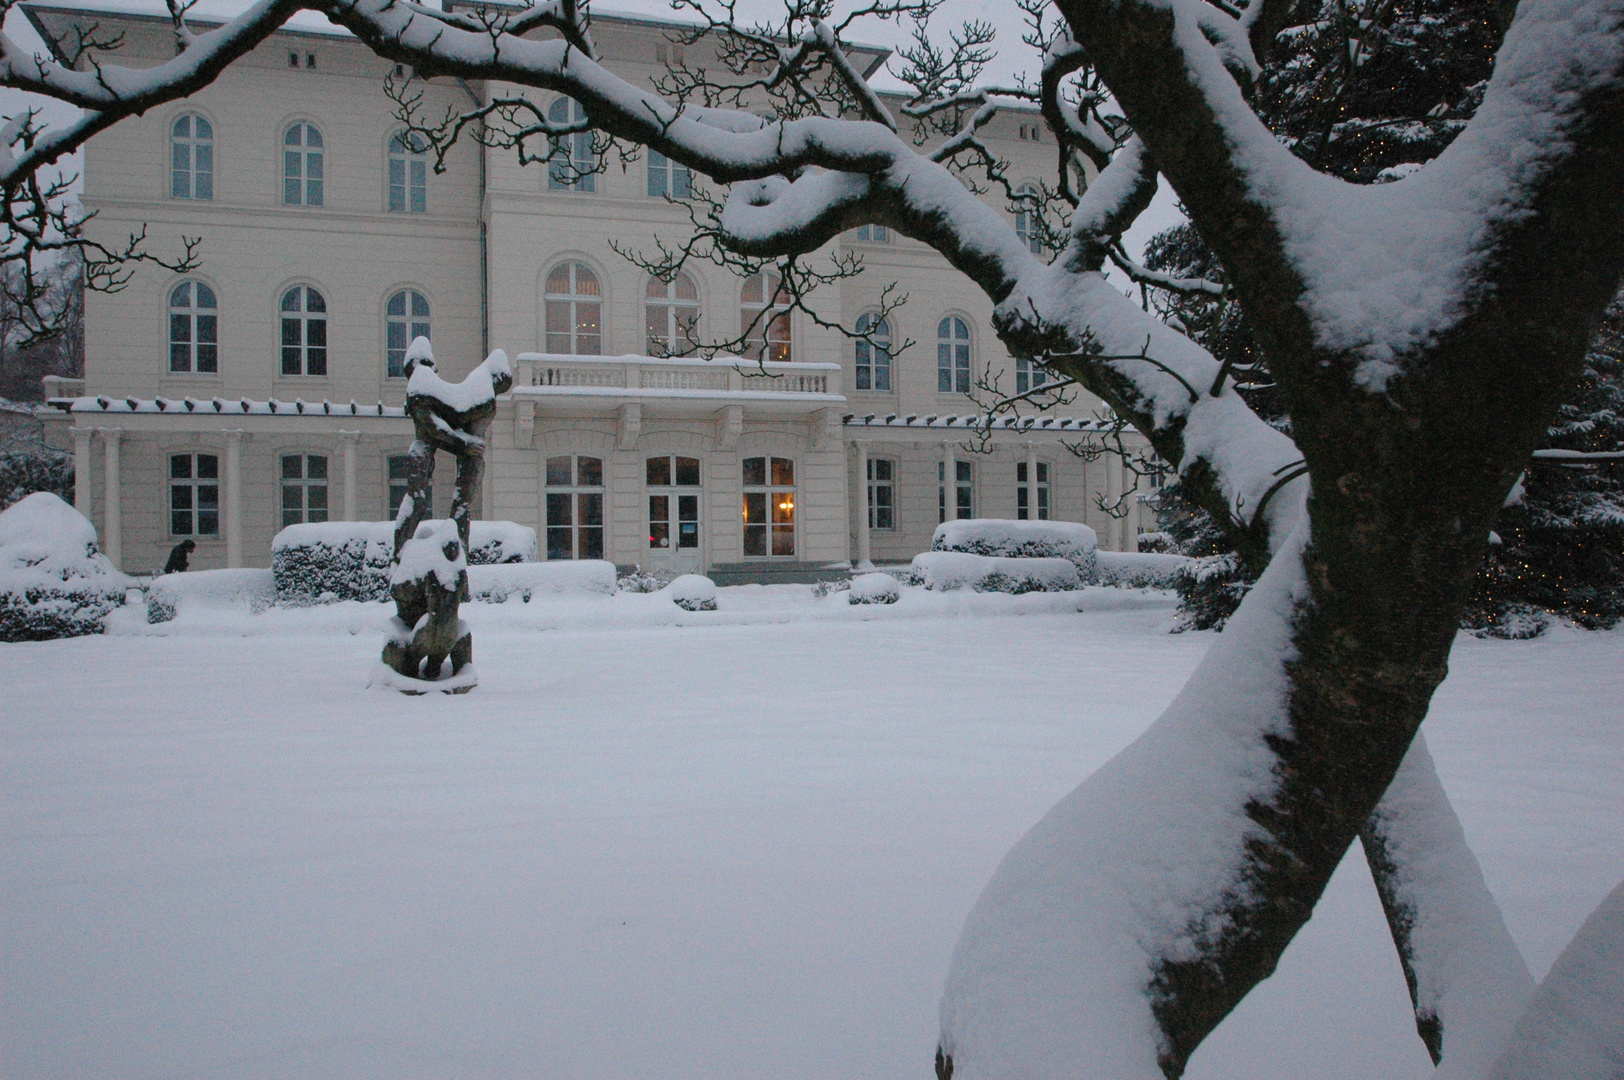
[673, 514]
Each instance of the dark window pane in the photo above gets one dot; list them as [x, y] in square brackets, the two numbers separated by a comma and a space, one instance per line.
[755, 539]
[755, 508]
[755, 471]
[208, 497]
[560, 510]
[590, 508]
[208, 523]
[783, 472]
[659, 534]
[558, 472]
[316, 467]
[783, 540]
[292, 467]
[687, 472]
[659, 508]
[208, 467]
[592, 543]
[180, 497]
[316, 362]
[180, 466]
[180, 522]
[659, 472]
[400, 467]
[589, 472]
[559, 543]
[688, 534]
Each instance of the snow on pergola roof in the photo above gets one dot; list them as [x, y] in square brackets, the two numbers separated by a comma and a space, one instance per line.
[238, 407]
[975, 420]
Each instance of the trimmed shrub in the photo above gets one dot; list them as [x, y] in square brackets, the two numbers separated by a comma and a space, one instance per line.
[947, 570]
[494, 584]
[349, 560]
[54, 580]
[1142, 569]
[693, 592]
[247, 590]
[1069, 540]
[874, 589]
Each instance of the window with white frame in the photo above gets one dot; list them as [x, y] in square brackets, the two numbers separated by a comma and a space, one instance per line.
[764, 317]
[769, 507]
[1024, 488]
[953, 356]
[194, 495]
[574, 310]
[1028, 222]
[673, 502]
[574, 507]
[398, 469]
[873, 353]
[304, 489]
[1029, 376]
[408, 174]
[671, 315]
[194, 329]
[963, 488]
[873, 234]
[304, 332]
[668, 178]
[406, 316]
[882, 493]
[573, 164]
[191, 158]
[302, 171]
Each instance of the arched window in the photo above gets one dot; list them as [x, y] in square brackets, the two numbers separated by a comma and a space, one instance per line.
[406, 316]
[301, 165]
[1029, 376]
[191, 158]
[764, 318]
[873, 353]
[1027, 221]
[574, 303]
[304, 332]
[408, 175]
[573, 165]
[671, 313]
[953, 356]
[194, 329]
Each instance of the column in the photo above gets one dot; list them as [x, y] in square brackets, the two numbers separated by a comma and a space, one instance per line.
[81, 469]
[950, 484]
[233, 498]
[1113, 499]
[113, 523]
[863, 509]
[1032, 482]
[347, 441]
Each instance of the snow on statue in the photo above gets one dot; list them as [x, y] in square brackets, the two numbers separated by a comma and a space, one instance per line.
[1422, 334]
[429, 647]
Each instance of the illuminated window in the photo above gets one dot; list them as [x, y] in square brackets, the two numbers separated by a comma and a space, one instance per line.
[574, 303]
[764, 318]
[769, 507]
[671, 315]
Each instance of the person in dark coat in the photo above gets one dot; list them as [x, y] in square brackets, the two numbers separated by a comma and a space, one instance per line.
[177, 556]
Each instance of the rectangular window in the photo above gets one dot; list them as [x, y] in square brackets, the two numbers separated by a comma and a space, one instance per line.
[873, 234]
[194, 494]
[882, 495]
[574, 507]
[673, 515]
[769, 507]
[304, 489]
[667, 177]
[963, 488]
[400, 476]
[1023, 490]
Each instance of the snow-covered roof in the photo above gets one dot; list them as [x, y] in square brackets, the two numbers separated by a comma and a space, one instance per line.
[237, 407]
[975, 420]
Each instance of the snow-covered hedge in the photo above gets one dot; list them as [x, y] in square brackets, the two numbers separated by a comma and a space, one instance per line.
[874, 589]
[1069, 540]
[54, 580]
[1142, 569]
[944, 570]
[349, 560]
[692, 592]
[244, 590]
[494, 584]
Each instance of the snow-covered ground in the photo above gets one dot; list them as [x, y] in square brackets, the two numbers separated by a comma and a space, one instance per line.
[662, 845]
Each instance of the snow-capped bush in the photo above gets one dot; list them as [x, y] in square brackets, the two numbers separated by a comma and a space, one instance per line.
[639, 580]
[248, 590]
[874, 589]
[821, 589]
[1141, 569]
[494, 584]
[693, 592]
[1069, 540]
[1210, 589]
[54, 580]
[945, 570]
[350, 560]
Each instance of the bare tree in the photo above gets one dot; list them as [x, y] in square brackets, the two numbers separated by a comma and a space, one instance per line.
[1422, 334]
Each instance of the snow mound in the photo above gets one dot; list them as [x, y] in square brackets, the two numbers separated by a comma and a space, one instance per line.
[692, 592]
[1141, 569]
[350, 560]
[494, 584]
[54, 580]
[247, 590]
[945, 570]
[435, 549]
[874, 589]
[1069, 540]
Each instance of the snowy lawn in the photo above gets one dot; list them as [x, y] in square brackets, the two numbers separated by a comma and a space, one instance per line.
[661, 845]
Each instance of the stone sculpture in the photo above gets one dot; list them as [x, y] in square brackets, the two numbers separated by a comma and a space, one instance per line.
[430, 647]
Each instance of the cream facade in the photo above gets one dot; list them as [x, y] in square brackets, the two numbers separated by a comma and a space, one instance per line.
[263, 387]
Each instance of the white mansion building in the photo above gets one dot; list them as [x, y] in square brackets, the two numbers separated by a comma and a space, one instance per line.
[264, 388]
